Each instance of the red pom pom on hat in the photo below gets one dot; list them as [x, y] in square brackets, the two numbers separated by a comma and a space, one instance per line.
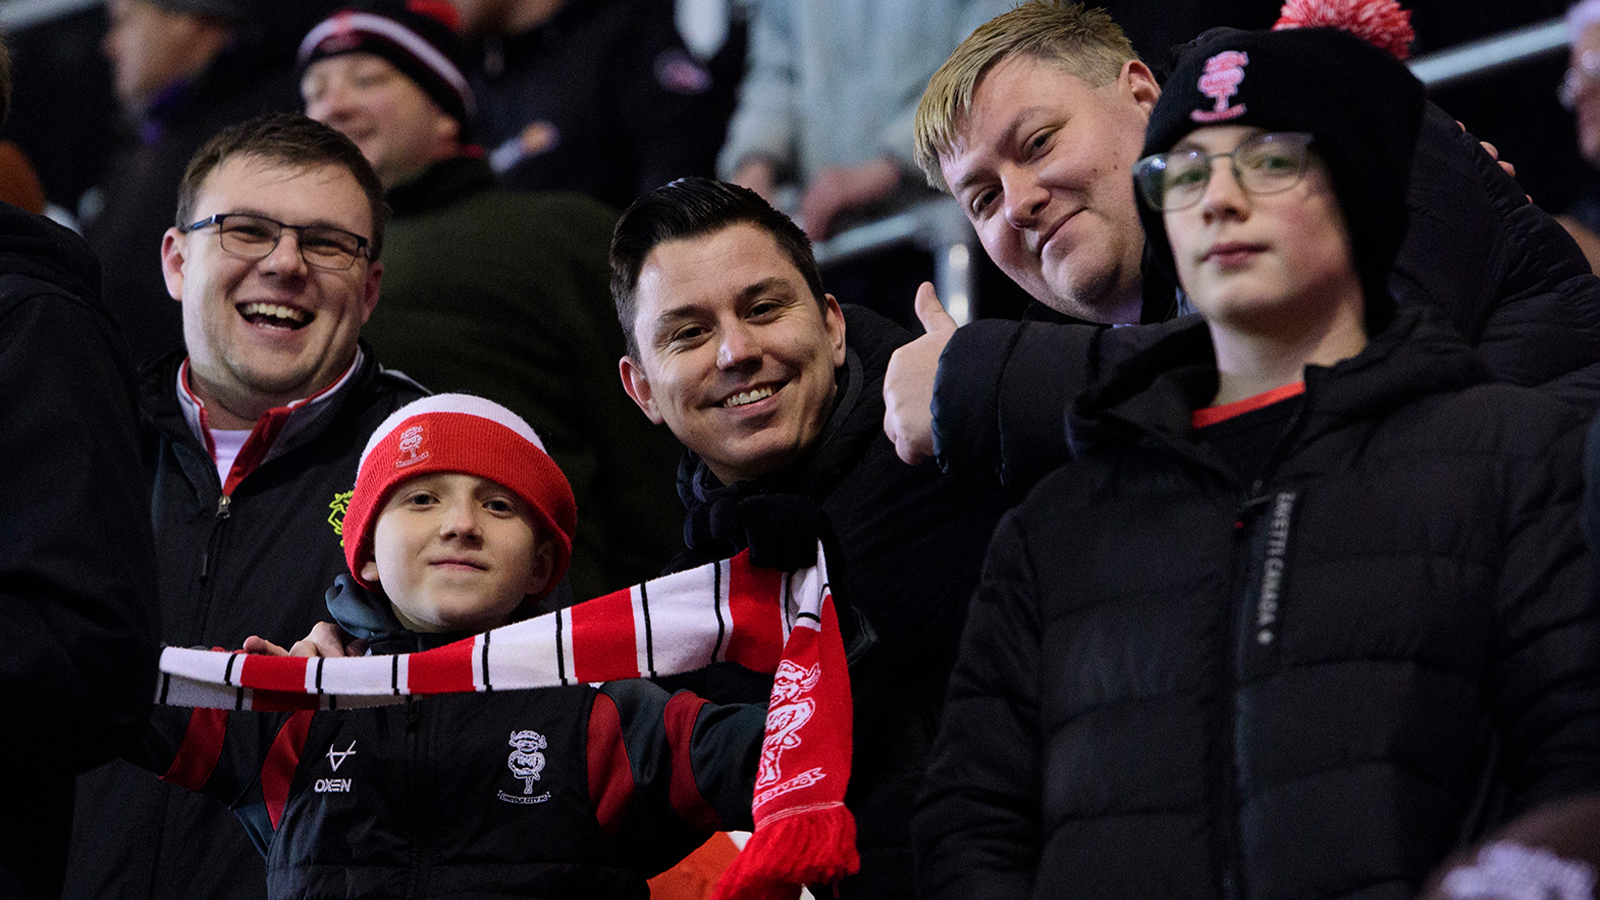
[1381, 23]
[459, 433]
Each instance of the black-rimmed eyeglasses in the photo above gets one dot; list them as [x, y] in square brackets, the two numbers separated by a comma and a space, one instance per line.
[1263, 164]
[254, 237]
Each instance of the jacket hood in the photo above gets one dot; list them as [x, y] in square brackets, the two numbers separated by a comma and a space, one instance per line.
[1153, 393]
[35, 246]
[368, 616]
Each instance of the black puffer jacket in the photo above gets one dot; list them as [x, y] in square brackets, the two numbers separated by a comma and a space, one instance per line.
[256, 563]
[1174, 684]
[1504, 273]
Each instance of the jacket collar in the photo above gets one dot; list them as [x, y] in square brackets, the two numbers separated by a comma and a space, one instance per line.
[1149, 397]
[442, 184]
[174, 410]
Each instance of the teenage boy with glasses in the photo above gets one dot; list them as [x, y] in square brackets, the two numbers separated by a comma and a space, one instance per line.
[253, 435]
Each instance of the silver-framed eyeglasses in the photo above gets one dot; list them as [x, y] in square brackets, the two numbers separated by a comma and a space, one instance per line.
[1262, 164]
[254, 237]
[1579, 79]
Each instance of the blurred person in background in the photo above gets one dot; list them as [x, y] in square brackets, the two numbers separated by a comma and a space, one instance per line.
[597, 96]
[823, 128]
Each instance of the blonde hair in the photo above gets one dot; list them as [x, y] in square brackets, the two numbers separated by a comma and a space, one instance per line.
[1081, 41]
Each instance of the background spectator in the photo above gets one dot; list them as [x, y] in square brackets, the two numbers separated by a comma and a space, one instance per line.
[597, 96]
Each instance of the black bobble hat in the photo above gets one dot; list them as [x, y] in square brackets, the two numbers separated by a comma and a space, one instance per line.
[1361, 104]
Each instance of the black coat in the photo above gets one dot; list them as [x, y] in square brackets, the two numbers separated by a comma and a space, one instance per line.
[1178, 684]
[77, 573]
[1504, 273]
[257, 565]
[909, 542]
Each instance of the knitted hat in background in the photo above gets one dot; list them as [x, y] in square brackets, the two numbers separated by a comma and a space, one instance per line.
[459, 433]
[418, 37]
[1361, 104]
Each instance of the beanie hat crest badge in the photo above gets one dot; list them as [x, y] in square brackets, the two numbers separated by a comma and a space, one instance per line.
[410, 443]
[1220, 81]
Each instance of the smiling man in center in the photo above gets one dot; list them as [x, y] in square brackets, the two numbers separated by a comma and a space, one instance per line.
[776, 391]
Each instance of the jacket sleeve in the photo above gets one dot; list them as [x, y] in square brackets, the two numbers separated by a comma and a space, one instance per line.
[976, 832]
[78, 612]
[1544, 679]
[764, 123]
[241, 759]
[666, 770]
[1506, 274]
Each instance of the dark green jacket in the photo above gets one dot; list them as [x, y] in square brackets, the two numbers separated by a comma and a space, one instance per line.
[507, 296]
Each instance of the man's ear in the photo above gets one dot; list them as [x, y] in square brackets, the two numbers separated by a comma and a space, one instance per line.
[369, 572]
[1140, 84]
[174, 244]
[369, 300]
[833, 321]
[637, 384]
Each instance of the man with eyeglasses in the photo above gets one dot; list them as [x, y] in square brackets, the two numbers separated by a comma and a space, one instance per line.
[253, 435]
[1034, 123]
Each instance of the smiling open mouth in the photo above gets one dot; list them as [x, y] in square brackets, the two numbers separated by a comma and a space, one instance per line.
[745, 398]
[275, 315]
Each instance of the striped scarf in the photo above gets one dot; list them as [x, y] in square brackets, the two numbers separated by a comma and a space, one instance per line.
[762, 619]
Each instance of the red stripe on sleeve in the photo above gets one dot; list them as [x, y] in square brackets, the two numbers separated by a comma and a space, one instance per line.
[201, 748]
[273, 673]
[610, 775]
[443, 670]
[277, 773]
[605, 646]
[682, 711]
[757, 639]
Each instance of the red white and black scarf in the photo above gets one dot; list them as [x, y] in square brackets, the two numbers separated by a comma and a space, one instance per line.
[762, 619]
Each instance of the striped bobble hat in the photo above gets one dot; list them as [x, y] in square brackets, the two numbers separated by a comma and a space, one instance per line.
[418, 37]
[467, 434]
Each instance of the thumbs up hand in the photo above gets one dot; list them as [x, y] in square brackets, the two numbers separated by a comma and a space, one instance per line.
[908, 383]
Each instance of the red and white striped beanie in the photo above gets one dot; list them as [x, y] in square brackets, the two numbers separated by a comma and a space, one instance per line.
[459, 433]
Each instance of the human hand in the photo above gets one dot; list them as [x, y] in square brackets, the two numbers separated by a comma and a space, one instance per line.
[758, 175]
[325, 640]
[908, 382]
[1494, 154]
[843, 188]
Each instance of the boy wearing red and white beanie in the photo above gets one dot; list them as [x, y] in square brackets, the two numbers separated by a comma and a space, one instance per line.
[459, 516]
[458, 523]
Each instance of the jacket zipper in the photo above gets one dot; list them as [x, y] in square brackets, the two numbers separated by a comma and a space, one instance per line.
[421, 848]
[1261, 541]
[208, 559]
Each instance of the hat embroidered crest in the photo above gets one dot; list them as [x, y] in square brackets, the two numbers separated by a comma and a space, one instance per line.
[1220, 81]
